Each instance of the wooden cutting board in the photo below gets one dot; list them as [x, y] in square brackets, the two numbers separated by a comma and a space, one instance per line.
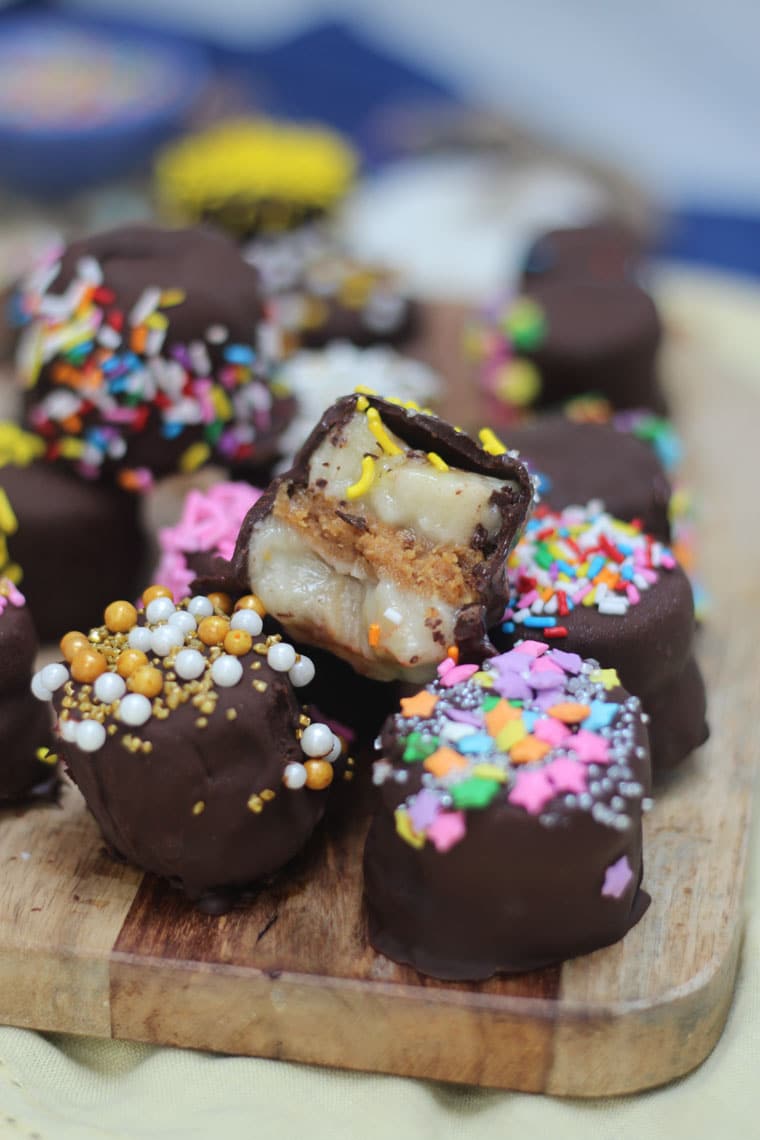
[89, 946]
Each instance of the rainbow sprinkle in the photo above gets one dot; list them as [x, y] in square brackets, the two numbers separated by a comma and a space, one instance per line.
[580, 556]
[107, 373]
[495, 343]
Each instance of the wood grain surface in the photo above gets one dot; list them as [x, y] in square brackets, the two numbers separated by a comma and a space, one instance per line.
[90, 946]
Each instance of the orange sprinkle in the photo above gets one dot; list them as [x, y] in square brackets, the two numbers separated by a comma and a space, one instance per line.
[569, 713]
[499, 716]
[138, 339]
[373, 635]
[421, 704]
[453, 653]
[443, 760]
[528, 749]
[72, 425]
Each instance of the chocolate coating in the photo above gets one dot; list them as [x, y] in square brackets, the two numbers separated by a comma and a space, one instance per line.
[599, 338]
[519, 890]
[584, 461]
[198, 792]
[79, 544]
[606, 252]
[423, 434]
[25, 725]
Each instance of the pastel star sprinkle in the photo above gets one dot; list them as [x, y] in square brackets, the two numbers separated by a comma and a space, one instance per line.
[616, 878]
[532, 791]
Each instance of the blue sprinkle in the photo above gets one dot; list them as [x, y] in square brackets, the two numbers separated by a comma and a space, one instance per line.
[567, 568]
[595, 567]
[625, 549]
[239, 354]
[171, 431]
[477, 743]
[508, 627]
[529, 719]
[601, 716]
[627, 573]
[536, 621]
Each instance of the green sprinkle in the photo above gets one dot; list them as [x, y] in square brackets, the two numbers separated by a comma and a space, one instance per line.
[490, 702]
[474, 793]
[419, 747]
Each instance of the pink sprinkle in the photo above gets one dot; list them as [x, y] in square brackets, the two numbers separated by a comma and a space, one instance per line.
[649, 575]
[532, 648]
[551, 731]
[446, 830]
[546, 665]
[446, 666]
[532, 790]
[668, 561]
[13, 595]
[457, 674]
[634, 597]
[579, 595]
[590, 747]
[567, 775]
[528, 599]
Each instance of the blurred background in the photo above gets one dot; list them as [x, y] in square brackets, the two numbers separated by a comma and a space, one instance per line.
[478, 124]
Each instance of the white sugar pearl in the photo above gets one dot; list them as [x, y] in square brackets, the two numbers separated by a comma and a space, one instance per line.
[200, 606]
[135, 709]
[281, 657]
[53, 676]
[40, 690]
[110, 687]
[302, 672]
[139, 638]
[294, 776]
[226, 671]
[317, 740]
[90, 735]
[166, 638]
[67, 730]
[335, 751]
[183, 621]
[189, 664]
[160, 609]
[248, 620]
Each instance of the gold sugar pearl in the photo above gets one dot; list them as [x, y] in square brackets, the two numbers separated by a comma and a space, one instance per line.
[221, 602]
[237, 642]
[87, 665]
[120, 617]
[251, 602]
[154, 592]
[129, 660]
[146, 679]
[72, 642]
[213, 630]
[319, 774]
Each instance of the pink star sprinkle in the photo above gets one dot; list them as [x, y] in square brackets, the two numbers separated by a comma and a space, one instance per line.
[457, 674]
[447, 830]
[551, 731]
[567, 775]
[616, 878]
[532, 648]
[590, 747]
[532, 791]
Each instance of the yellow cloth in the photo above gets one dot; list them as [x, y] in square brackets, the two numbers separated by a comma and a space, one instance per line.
[57, 1087]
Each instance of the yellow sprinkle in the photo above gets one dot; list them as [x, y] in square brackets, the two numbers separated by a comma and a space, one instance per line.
[45, 756]
[589, 599]
[437, 462]
[195, 456]
[198, 807]
[512, 732]
[365, 391]
[362, 404]
[71, 448]
[14, 572]
[255, 804]
[405, 829]
[490, 442]
[19, 447]
[377, 428]
[485, 680]
[606, 677]
[489, 772]
[365, 480]
[8, 520]
[157, 321]
[171, 297]
[221, 402]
